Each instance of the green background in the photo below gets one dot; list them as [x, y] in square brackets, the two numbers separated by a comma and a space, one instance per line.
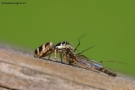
[108, 24]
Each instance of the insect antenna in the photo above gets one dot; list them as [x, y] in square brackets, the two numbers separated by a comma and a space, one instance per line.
[79, 42]
[85, 50]
[84, 56]
[114, 61]
[77, 46]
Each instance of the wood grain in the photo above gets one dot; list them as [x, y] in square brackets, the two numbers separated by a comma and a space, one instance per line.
[21, 71]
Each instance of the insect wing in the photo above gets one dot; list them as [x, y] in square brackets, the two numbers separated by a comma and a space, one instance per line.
[89, 62]
[98, 65]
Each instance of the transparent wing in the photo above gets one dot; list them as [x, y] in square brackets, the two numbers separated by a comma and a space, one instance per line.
[82, 59]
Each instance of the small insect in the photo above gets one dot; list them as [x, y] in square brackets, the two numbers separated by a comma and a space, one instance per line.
[87, 63]
[91, 64]
[68, 52]
[48, 48]
[81, 59]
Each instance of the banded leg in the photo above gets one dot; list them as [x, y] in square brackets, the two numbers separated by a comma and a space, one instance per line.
[55, 54]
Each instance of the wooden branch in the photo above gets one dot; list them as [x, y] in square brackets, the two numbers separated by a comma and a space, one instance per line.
[21, 71]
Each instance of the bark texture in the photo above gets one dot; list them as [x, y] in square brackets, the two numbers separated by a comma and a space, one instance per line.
[21, 71]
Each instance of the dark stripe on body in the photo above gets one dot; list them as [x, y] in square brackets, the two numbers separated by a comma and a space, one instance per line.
[63, 43]
[36, 51]
[40, 48]
[47, 44]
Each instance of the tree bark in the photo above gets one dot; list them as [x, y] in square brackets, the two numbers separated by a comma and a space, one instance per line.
[21, 71]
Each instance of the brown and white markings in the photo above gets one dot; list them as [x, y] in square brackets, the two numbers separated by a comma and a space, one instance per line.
[61, 47]
[66, 50]
[44, 50]
[48, 48]
[70, 56]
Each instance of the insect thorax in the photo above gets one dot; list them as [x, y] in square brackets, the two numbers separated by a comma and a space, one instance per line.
[63, 45]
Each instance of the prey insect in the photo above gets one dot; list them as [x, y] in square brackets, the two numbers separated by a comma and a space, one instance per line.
[87, 63]
[92, 64]
[81, 59]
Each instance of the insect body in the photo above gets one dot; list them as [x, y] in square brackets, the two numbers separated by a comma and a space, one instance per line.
[66, 50]
[48, 48]
[44, 50]
[61, 47]
[70, 55]
[91, 64]
[81, 59]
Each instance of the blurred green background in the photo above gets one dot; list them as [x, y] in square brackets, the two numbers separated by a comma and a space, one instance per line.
[108, 24]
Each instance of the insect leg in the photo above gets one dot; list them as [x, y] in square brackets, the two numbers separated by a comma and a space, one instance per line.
[86, 50]
[114, 61]
[49, 56]
[55, 54]
[61, 57]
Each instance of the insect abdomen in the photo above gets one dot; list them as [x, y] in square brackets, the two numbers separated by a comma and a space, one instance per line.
[41, 51]
[108, 72]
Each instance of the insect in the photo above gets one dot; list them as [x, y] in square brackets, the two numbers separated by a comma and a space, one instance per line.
[69, 52]
[91, 64]
[81, 59]
[48, 48]
[66, 50]
[87, 63]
